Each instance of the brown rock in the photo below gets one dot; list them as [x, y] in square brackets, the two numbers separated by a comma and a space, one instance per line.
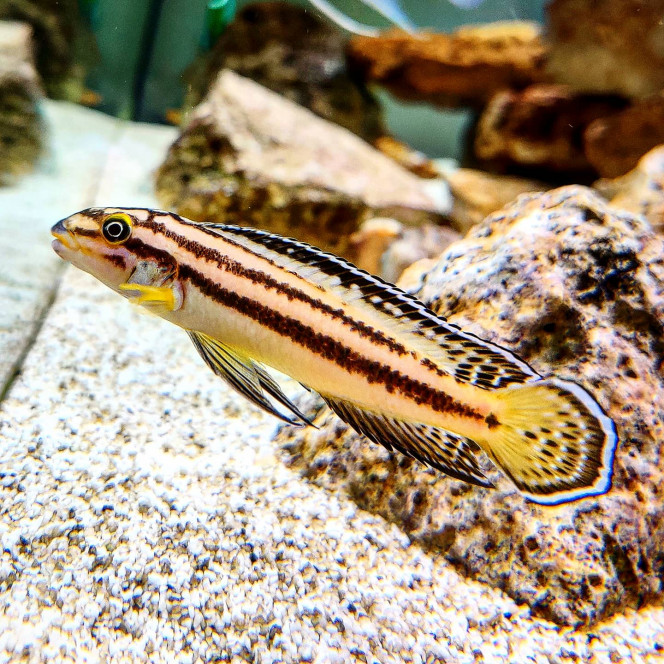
[64, 46]
[476, 194]
[464, 68]
[412, 160]
[576, 288]
[541, 127]
[615, 143]
[20, 127]
[640, 191]
[251, 157]
[612, 46]
[289, 50]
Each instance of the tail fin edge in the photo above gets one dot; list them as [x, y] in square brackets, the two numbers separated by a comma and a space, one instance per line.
[586, 426]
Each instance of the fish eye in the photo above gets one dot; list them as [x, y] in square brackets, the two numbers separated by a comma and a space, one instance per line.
[117, 228]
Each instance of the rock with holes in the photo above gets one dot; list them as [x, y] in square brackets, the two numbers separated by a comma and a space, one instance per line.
[576, 288]
[640, 191]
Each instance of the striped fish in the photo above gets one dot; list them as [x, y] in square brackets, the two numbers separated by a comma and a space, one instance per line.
[384, 363]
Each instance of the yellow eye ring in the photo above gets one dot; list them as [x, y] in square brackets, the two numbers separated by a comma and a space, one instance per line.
[116, 228]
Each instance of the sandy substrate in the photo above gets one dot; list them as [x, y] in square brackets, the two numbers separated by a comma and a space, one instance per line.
[145, 515]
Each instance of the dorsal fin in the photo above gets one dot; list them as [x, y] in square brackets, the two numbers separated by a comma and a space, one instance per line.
[461, 354]
[434, 447]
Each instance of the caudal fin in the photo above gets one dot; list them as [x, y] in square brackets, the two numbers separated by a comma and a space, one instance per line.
[553, 440]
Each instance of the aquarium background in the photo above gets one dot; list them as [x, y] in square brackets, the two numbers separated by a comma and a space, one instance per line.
[150, 513]
[144, 48]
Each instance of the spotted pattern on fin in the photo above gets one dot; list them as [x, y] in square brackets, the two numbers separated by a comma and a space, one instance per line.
[461, 354]
[554, 442]
[440, 449]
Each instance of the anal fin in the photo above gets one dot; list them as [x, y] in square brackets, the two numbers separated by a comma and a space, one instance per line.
[448, 452]
[247, 377]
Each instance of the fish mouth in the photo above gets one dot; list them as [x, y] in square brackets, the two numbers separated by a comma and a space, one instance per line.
[63, 239]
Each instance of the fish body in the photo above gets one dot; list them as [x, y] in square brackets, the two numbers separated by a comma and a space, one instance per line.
[391, 368]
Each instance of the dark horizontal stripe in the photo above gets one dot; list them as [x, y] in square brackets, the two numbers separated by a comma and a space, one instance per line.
[201, 251]
[370, 286]
[117, 260]
[87, 232]
[329, 348]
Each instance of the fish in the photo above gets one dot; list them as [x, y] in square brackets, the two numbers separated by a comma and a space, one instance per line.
[388, 366]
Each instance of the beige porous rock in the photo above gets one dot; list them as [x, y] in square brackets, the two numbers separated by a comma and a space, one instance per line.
[615, 143]
[612, 46]
[21, 130]
[640, 191]
[464, 68]
[251, 157]
[576, 288]
[476, 194]
[386, 248]
[540, 127]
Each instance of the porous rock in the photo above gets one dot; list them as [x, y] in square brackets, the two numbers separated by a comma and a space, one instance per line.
[20, 125]
[541, 127]
[612, 46]
[576, 288]
[386, 248]
[476, 194]
[251, 157]
[464, 68]
[615, 143]
[293, 52]
[640, 191]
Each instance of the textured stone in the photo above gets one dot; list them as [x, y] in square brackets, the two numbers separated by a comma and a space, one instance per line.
[576, 289]
[640, 191]
[386, 248]
[464, 68]
[64, 46]
[542, 128]
[291, 51]
[251, 157]
[612, 46]
[615, 143]
[476, 194]
[21, 130]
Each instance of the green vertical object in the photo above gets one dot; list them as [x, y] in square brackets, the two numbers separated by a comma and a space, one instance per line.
[219, 14]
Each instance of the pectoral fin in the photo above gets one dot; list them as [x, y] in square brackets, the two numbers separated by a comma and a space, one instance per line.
[153, 285]
[434, 447]
[247, 377]
[152, 295]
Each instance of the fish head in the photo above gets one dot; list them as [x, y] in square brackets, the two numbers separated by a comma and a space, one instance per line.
[100, 241]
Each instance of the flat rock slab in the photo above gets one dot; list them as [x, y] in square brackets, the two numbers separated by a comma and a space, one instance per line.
[464, 68]
[250, 157]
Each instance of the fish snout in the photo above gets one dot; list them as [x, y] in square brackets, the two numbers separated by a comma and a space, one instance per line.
[63, 237]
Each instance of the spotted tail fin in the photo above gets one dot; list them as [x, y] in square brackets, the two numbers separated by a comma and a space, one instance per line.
[553, 440]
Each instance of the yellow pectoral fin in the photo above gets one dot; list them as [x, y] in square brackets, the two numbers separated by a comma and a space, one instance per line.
[166, 296]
